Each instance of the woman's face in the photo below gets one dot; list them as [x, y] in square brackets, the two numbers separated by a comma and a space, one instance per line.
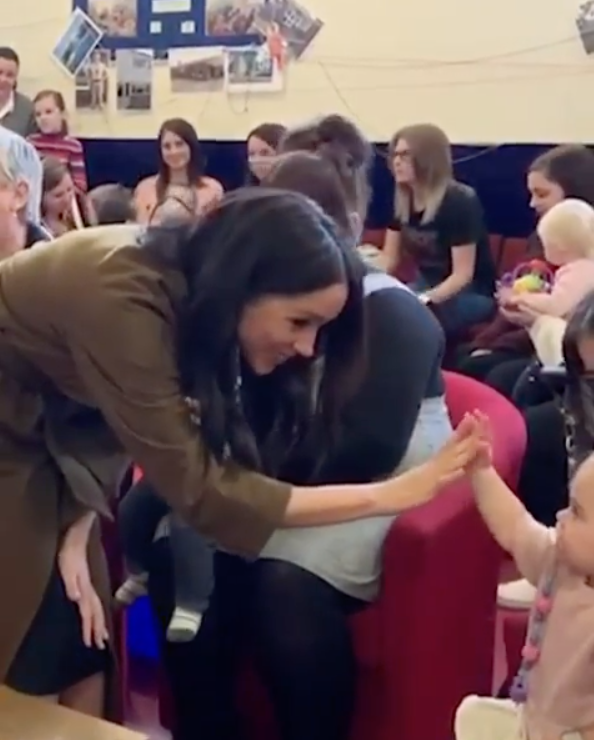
[13, 199]
[175, 152]
[274, 329]
[260, 157]
[57, 201]
[402, 163]
[544, 193]
[48, 116]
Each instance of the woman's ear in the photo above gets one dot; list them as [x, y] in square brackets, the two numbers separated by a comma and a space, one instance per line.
[21, 196]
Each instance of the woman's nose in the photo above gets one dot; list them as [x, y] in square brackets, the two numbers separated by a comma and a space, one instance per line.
[305, 346]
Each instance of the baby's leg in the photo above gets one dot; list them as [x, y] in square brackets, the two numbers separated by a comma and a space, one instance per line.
[193, 569]
[139, 514]
[486, 718]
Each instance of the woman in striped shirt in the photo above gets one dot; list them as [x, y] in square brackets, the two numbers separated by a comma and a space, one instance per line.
[52, 138]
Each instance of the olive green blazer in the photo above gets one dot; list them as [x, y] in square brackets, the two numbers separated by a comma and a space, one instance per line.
[90, 319]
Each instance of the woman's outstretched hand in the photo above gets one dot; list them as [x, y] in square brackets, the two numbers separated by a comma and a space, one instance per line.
[451, 463]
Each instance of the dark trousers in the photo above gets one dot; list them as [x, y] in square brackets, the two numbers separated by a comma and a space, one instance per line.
[140, 512]
[508, 373]
[296, 626]
[543, 483]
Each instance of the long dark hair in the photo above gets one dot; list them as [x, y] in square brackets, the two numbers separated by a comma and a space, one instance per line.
[578, 403]
[259, 242]
[319, 178]
[571, 166]
[197, 164]
[339, 140]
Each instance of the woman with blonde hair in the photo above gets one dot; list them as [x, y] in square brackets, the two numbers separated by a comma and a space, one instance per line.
[439, 224]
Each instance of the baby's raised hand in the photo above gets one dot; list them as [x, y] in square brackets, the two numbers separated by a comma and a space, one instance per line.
[482, 430]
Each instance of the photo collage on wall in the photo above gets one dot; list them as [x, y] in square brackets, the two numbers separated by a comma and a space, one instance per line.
[585, 25]
[236, 46]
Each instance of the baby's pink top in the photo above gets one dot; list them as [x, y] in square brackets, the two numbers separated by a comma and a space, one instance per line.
[572, 282]
[561, 683]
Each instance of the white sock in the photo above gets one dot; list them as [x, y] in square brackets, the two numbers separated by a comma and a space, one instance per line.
[132, 588]
[184, 625]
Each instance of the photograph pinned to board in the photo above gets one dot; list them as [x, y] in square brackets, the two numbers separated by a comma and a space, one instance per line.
[171, 6]
[92, 82]
[116, 18]
[134, 80]
[200, 69]
[231, 17]
[585, 24]
[251, 69]
[290, 21]
[77, 42]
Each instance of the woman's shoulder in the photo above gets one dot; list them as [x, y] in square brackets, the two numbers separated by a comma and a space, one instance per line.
[146, 186]
[210, 183]
[460, 193]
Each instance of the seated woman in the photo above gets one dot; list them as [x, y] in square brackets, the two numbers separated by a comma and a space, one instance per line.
[262, 146]
[439, 224]
[501, 353]
[62, 208]
[293, 603]
[181, 173]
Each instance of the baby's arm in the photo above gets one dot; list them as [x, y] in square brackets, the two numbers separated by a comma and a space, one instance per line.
[512, 526]
[559, 302]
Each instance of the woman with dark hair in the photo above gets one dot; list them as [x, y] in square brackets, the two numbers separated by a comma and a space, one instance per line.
[132, 323]
[262, 146]
[181, 173]
[502, 351]
[294, 601]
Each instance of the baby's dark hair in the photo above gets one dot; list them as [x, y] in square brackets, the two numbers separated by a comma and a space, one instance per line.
[112, 204]
[339, 140]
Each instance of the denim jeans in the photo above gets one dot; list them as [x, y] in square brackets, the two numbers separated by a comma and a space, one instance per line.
[139, 515]
[461, 311]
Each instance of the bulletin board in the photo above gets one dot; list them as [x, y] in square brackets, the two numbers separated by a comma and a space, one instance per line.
[161, 24]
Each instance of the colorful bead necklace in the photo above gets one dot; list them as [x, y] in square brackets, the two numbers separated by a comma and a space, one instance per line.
[534, 639]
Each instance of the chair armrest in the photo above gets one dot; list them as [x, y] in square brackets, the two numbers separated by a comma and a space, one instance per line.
[437, 611]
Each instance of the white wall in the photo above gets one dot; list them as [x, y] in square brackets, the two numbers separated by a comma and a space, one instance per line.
[505, 71]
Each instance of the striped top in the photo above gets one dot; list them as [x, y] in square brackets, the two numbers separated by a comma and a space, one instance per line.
[24, 162]
[68, 150]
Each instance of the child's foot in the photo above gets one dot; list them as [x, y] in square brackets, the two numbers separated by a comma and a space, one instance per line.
[132, 588]
[184, 625]
[516, 595]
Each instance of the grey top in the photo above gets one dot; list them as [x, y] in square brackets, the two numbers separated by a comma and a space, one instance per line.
[399, 420]
[21, 119]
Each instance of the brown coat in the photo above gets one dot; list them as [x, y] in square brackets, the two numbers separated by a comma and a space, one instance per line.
[90, 317]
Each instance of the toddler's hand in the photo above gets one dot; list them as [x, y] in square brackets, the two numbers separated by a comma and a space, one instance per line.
[482, 430]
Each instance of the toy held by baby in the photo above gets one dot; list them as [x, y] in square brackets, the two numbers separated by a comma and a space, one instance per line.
[534, 276]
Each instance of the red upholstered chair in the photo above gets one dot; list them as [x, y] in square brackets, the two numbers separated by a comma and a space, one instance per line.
[428, 640]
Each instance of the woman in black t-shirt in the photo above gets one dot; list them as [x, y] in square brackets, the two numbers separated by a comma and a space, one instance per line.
[439, 224]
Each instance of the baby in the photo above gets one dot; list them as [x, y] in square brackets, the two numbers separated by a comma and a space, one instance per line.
[551, 698]
[567, 236]
[143, 517]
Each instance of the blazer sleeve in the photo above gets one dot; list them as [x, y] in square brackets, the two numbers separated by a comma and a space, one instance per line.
[124, 352]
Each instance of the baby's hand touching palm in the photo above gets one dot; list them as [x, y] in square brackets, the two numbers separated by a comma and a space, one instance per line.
[482, 430]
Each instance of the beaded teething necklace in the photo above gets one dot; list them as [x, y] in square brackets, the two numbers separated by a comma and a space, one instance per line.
[534, 639]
